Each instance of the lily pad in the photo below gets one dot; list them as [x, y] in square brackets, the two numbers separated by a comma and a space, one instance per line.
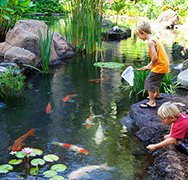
[110, 65]
[57, 178]
[36, 152]
[38, 161]
[50, 158]
[5, 168]
[49, 173]
[15, 161]
[20, 154]
[34, 171]
[59, 167]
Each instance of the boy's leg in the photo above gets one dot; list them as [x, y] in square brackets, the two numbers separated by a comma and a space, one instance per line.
[157, 93]
[151, 102]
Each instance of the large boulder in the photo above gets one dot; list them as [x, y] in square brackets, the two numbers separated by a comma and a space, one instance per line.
[25, 36]
[169, 163]
[167, 20]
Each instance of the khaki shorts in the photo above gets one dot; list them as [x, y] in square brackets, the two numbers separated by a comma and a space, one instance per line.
[153, 81]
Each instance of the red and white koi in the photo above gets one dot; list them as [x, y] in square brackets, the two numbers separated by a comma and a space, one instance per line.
[89, 120]
[71, 147]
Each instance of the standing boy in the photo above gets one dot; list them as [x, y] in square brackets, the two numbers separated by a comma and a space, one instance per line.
[170, 115]
[159, 64]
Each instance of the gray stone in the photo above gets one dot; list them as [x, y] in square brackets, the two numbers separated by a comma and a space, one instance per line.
[183, 78]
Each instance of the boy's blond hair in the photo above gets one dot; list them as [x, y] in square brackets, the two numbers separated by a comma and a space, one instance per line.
[168, 109]
[144, 26]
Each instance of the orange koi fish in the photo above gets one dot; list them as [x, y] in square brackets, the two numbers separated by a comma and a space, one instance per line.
[67, 98]
[71, 147]
[48, 108]
[20, 142]
[97, 80]
[89, 122]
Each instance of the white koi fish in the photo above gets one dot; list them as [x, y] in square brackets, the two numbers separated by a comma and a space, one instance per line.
[71, 147]
[99, 135]
[89, 122]
[84, 171]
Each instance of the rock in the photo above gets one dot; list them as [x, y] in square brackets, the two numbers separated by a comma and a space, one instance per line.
[20, 56]
[106, 22]
[24, 35]
[183, 78]
[167, 20]
[169, 163]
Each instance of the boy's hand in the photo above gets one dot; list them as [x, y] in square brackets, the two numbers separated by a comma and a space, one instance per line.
[151, 147]
[167, 136]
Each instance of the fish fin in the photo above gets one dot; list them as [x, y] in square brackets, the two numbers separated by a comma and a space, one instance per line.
[55, 142]
[83, 123]
[31, 132]
[105, 166]
[10, 148]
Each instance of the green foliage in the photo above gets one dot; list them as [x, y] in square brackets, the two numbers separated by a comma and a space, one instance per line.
[167, 86]
[48, 7]
[5, 168]
[45, 42]
[11, 83]
[10, 12]
[83, 28]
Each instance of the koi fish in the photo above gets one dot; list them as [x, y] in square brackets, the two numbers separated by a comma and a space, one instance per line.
[48, 108]
[71, 147]
[84, 171]
[89, 122]
[67, 98]
[20, 141]
[99, 135]
[97, 80]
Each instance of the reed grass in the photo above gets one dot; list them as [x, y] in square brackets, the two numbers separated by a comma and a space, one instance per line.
[45, 42]
[83, 28]
[167, 86]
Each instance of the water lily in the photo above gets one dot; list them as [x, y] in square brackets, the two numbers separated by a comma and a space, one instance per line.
[13, 152]
[27, 150]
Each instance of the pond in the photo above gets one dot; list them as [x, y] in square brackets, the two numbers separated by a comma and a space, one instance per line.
[120, 148]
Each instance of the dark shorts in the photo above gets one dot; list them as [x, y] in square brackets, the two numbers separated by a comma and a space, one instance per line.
[153, 81]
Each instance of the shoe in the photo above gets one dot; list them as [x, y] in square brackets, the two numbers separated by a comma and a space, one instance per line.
[147, 106]
[156, 98]
[184, 146]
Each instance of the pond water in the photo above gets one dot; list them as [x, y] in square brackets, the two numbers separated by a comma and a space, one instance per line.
[120, 149]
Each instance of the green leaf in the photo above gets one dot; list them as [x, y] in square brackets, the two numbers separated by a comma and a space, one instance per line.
[7, 167]
[110, 65]
[38, 161]
[59, 167]
[57, 178]
[49, 173]
[36, 152]
[50, 158]
[34, 171]
[20, 154]
[15, 161]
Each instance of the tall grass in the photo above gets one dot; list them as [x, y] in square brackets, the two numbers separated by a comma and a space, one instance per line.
[83, 28]
[167, 86]
[45, 42]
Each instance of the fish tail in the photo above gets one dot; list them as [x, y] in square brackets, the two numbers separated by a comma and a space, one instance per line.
[55, 142]
[106, 167]
[101, 116]
[31, 132]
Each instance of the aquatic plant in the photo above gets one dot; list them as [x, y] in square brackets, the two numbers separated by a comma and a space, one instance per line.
[83, 28]
[35, 162]
[110, 65]
[11, 83]
[167, 86]
[45, 42]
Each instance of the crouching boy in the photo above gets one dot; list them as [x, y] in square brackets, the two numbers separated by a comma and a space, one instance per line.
[170, 115]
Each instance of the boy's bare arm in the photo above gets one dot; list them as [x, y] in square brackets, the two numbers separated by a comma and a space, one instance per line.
[164, 143]
[151, 45]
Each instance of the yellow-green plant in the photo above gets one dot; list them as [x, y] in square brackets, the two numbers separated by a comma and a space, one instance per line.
[45, 42]
[11, 83]
[83, 29]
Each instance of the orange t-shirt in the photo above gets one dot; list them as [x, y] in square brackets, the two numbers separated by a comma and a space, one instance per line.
[162, 64]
